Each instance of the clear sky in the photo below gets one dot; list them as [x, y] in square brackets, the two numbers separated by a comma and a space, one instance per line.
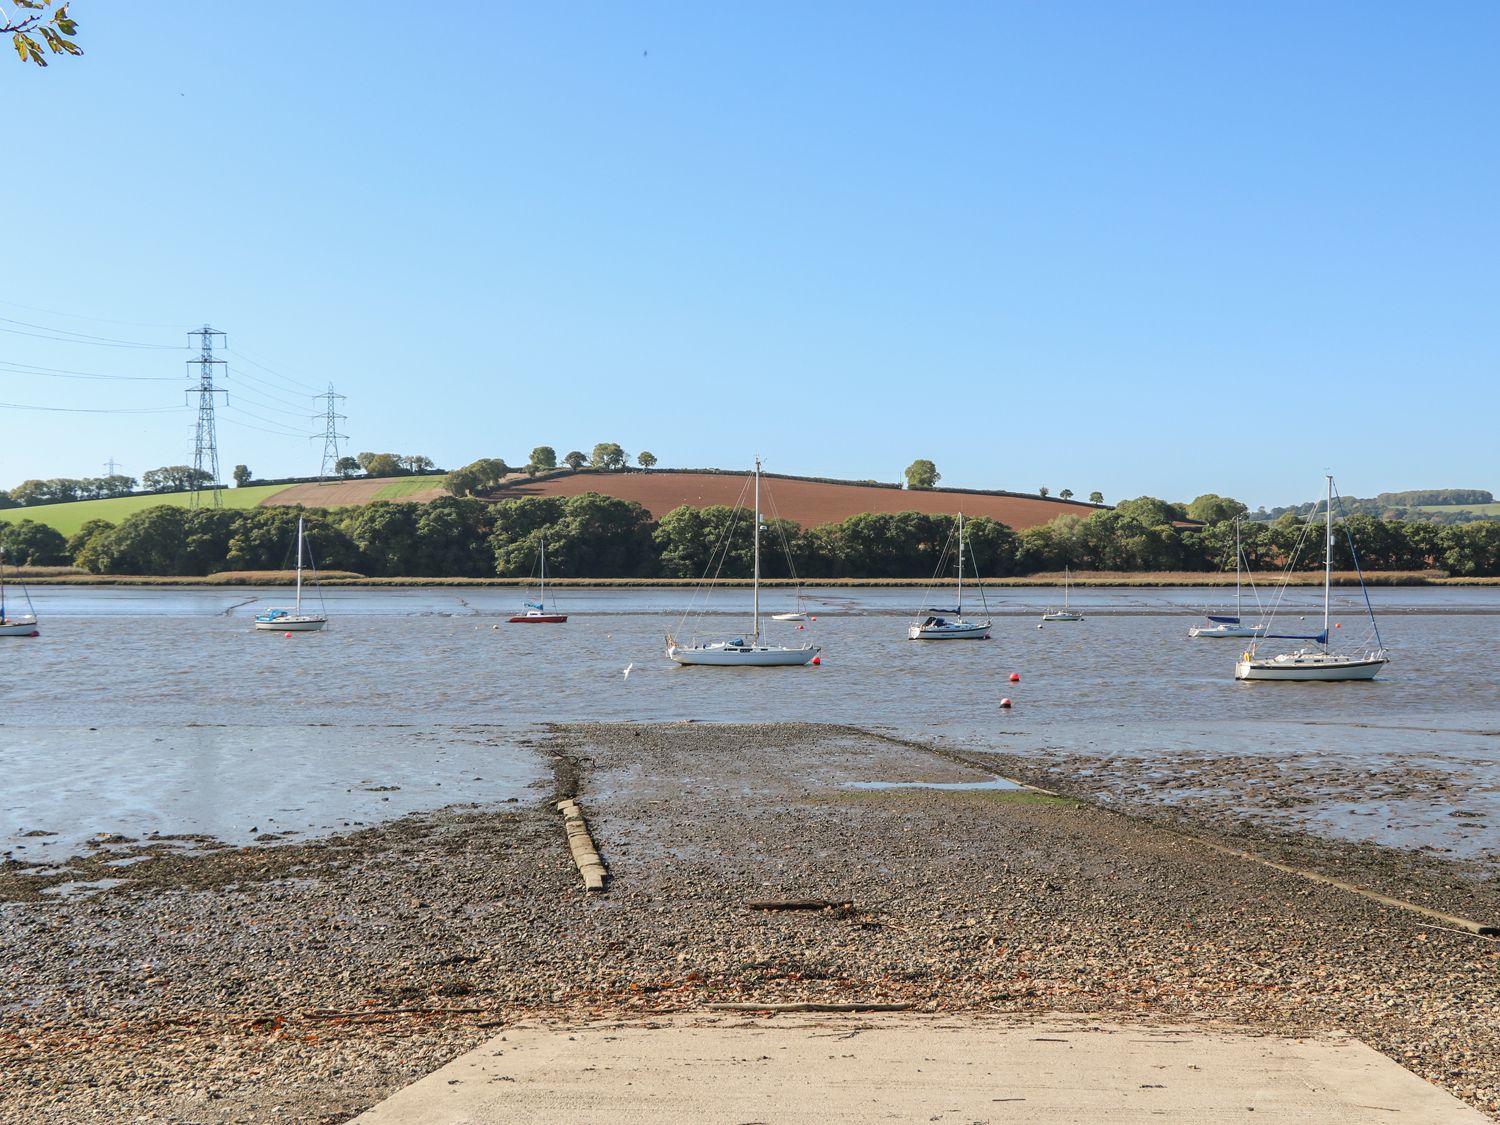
[1146, 248]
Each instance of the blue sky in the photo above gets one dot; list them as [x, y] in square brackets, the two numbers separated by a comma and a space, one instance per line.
[1149, 248]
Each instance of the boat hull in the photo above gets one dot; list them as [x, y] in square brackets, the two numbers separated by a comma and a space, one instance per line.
[307, 623]
[720, 655]
[1062, 615]
[949, 631]
[538, 619]
[1310, 666]
[19, 627]
[1211, 631]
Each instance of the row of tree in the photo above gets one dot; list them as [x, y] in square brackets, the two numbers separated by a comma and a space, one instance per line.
[594, 536]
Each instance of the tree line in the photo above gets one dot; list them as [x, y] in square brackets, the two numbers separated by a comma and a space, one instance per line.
[596, 536]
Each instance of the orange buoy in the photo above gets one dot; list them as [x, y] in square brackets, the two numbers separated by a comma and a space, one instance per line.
[1015, 677]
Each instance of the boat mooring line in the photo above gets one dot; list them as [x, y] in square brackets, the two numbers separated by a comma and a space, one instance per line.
[581, 844]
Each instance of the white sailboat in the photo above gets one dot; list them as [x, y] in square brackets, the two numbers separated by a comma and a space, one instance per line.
[1226, 626]
[535, 613]
[934, 627]
[1064, 614]
[1320, 662]
[741, 651]
[292, 619]
[16, 624]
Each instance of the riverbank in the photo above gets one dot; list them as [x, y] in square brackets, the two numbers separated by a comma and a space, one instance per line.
[304, 982]
[72, 576]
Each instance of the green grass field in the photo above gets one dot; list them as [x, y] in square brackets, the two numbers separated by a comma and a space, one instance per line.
[1492, 511]
[68, 518]
[398, 489]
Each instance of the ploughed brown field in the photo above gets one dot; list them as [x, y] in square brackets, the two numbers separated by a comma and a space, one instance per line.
[807, 503]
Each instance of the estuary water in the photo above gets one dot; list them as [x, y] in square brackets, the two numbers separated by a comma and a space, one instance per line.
[151, 710]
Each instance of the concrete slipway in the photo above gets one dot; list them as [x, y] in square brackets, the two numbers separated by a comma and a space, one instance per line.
[970, 1070]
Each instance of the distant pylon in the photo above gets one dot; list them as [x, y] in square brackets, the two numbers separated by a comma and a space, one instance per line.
[110, 467]
[206, 442]
[331, 435]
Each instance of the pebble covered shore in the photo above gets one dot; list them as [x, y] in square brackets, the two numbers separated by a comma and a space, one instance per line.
[305, 982]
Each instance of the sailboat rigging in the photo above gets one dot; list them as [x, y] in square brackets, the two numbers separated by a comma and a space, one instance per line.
[535, 613]
[932, 626]
[1064, 614]
[16, 624]
[293, 620]
[1320, 662]
[741, 651]
[1225, 625]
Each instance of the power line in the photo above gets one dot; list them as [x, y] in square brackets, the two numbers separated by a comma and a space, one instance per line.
[68, 373]
[272, 371]
[92, 409]
[92, 319]
[63, 336]
[262, 418]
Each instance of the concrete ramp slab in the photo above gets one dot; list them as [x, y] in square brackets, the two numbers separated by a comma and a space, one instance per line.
[794, 1069]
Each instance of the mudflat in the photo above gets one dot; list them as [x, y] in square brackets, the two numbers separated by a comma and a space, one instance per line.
[306, 982]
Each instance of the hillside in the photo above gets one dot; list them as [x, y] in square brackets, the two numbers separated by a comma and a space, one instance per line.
[68, 518]
[805, 502]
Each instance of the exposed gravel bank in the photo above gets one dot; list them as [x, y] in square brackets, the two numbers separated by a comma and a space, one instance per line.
[209, 988]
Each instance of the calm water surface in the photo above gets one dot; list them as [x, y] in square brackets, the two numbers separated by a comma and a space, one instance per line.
[143, 710]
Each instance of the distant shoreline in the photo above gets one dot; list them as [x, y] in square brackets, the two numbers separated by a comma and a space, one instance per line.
[231, 579]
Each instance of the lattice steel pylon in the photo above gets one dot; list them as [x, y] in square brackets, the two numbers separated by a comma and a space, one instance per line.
[205, 441]
[331, 435]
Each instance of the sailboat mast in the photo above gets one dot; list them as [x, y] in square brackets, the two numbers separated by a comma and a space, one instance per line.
[1327, 555]
[299, 566]
[1237, 613]
[755, 580]
[543, 597]
[960, 602]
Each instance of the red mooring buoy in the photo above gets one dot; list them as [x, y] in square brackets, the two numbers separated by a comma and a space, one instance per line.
[817, 660]
[1015, 677]
[288, 636]
[1005, 703]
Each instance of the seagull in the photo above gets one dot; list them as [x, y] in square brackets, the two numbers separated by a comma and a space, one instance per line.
[628, 667]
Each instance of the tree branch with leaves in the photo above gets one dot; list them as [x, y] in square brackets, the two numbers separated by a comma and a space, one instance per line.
[37, 17]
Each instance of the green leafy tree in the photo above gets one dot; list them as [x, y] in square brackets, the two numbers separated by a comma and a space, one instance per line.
[80, 538]
[385, 532]
[56, 28]
[477, 477]
[347, 466]
[646, 460]
[381, 464]
[1149, 510]
[150, 541]
[543, 460]
[416, 462]
[1043, 491]
[922, 473]
[588, 536]
[451, 539]
[28, 543]
[1065, 494]
[241, 476]
[608, 455]
[266, 539]
[1096, 497]
[1213, 508]
[175, 478]
[576, 459]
